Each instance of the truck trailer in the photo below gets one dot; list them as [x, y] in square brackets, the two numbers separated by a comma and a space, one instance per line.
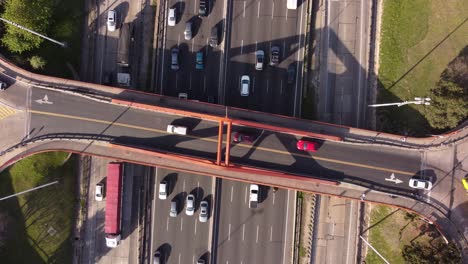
[112, 225]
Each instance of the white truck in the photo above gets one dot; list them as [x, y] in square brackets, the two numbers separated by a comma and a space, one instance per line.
[181, 130]
[253, 198]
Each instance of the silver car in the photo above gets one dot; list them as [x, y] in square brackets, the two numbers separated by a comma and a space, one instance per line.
[173, 210]
[259, 58]
[203, 217]
[188, 31]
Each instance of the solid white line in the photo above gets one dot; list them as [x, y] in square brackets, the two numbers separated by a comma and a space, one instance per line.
[232, 192]
[229, 232]
[195, 232]
[256, 45]
[183, 186]
[257, 235]
[193, 259]
[272, 10]
[179, 258]
[242, 45]
[167, 224]
[258, 12]
[298, 60]
[286, 14]
[243, 231]
[360, 68]
[198, 189]
[181, 223]
[243, 14]
[271, 233]
[245, 200]
[206, 49]
[274, 196]
[195, 7]
[286, 229]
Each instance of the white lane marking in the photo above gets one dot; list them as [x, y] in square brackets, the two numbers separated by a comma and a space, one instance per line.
[272, 10]
[198, 189]
[229, 232]
[298, 60]
[178, 40]
[179, 258]
[181, 224]
[274, 196]
[243, 231]
[286, 14]
[167, 224]
[195, 7]
[206, 49]
[271, 233]
[349, 230]
[193, 43]
[204, 83]
[360, 68]
[193, 259]
[242, 45]
[195, 232]
[232, 192]
[286, 229]
[183, 185]
[258, 10]
[256, 241]
[245, 200]
[243, 14]
[256, 45]
[267, 85]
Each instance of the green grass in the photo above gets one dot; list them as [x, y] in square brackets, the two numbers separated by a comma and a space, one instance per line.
[392, 229]
[414, 54]
[28, 217]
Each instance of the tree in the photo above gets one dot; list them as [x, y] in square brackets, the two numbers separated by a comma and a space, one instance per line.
[449, 105]
[32, 14]
[418, 253]
[37, 62]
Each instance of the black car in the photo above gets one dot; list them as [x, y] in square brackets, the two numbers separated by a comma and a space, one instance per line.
[214, 37]
[274, 55]
[203, 8]
[291, 73]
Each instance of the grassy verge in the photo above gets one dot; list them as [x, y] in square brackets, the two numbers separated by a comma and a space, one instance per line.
[392, 229]
[38, 224]
[66, 27]
[419, 38]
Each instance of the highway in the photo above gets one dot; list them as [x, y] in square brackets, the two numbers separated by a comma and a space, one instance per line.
[182, 239]
[337, 161]
[198, 84]
[259, 25]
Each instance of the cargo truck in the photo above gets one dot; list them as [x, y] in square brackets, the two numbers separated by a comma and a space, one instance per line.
[112, 226]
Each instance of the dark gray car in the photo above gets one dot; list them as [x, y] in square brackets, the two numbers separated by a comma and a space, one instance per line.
[214, 37]
[274, 55]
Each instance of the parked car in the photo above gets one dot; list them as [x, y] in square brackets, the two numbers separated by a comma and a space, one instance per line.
[188, 31]
[291, 73]
[190, 205]
[171, 18]
[307, 145]
[274, 55]
[203, 217]
[199, 65]
[418, 183]
[157, 257]
[163, 190]
[240, 137]
[99, 195]
[214, 37]
[175, 59]
[181, 130]
[259, 58]
[3, 86]
[173, 209]
[203, 8]
[244, 85]
[254, 195]
[200, 261]
[111, 20]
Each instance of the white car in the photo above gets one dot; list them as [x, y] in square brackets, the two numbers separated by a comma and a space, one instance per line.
[111, 20]
[163, 190]
[177, 130]
[171, 18]
[203, 217]
[420, 184]
[190, 204]
[244, 85]
[253, 197]
[99, 195]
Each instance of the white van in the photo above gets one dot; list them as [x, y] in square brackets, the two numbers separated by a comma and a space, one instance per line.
[177, 130]
[292, 4]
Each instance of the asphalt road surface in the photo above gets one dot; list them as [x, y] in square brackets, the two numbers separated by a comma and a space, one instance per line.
[259, 25]
[182, 239]
[261, 235]
[199, 84]
[353, 163]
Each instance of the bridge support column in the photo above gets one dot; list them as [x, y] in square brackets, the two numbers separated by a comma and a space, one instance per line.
[220, 142]
[228, 143]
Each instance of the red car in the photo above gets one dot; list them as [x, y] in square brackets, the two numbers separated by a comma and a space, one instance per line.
[307, 145]
[240, 137]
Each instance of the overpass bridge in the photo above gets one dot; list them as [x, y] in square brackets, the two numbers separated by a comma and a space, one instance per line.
[44, 113]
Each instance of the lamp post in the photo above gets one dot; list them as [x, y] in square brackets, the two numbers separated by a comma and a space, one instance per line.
[63, 44]
[417, 100]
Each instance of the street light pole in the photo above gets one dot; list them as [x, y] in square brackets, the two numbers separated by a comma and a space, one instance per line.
[30, 190]
[417, 100]
[63, 44]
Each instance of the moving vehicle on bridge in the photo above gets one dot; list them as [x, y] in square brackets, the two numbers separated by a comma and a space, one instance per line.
[112, 225]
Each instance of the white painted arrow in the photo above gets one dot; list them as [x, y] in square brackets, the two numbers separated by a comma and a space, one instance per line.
[44, 100]
[393, 179]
